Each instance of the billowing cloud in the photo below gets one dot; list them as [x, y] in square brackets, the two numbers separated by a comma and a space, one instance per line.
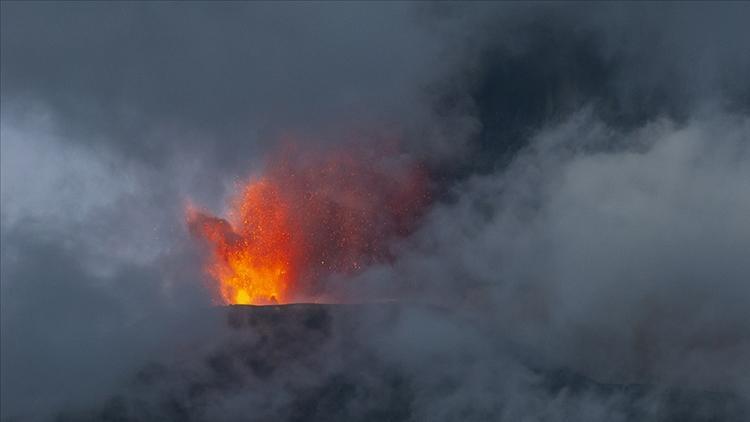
[582, 257]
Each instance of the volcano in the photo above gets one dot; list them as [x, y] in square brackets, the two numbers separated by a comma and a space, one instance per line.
[308, 216]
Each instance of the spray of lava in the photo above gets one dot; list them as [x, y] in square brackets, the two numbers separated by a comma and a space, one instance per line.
[309, 215]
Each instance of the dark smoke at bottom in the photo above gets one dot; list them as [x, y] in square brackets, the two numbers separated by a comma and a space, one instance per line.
[380, 362]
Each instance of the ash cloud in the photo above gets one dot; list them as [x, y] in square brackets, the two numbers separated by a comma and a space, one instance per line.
[635, 253]
[583, 258]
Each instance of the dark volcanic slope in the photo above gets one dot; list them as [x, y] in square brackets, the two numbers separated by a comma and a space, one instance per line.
[376, 362]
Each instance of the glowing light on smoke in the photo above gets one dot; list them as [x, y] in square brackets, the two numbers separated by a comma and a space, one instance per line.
[309, 215]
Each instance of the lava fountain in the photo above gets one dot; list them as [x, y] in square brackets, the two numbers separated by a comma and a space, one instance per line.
[307, 216]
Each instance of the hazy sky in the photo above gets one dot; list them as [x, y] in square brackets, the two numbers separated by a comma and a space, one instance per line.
[590, 163]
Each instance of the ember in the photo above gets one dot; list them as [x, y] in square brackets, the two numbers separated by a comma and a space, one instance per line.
[306, 217]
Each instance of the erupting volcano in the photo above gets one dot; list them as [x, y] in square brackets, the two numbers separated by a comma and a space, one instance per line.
[308, 216]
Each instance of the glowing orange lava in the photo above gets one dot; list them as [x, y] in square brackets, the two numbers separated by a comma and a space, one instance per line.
[309, 216]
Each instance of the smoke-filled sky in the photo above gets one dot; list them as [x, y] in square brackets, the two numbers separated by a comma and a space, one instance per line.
[589, 178]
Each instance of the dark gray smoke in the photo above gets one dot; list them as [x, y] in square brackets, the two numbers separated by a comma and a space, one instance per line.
[585, 257]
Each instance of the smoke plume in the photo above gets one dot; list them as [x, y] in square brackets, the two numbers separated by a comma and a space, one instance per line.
[560, 231]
